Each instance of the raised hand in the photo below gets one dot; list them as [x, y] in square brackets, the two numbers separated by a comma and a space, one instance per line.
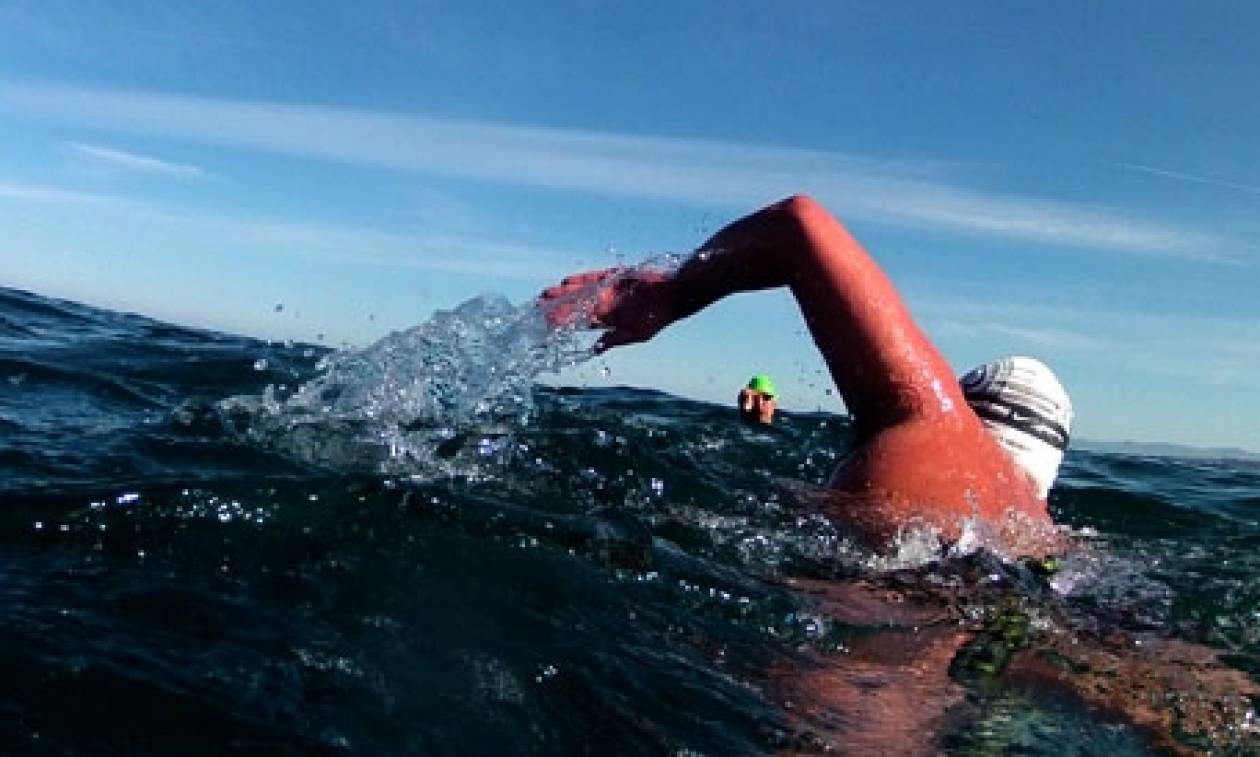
[630, 304]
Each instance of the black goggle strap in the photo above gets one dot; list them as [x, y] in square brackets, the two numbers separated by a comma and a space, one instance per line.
[1023, 419]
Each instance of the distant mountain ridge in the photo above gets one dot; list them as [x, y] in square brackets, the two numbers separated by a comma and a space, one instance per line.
[1164, 449]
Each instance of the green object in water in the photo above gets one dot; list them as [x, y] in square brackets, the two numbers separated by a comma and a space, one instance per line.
[762, 383]
[1006, 630]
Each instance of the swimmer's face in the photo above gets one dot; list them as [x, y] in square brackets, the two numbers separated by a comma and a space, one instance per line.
[756, 406]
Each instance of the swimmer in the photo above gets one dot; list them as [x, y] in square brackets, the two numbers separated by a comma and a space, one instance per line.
[929, 450]
[756, 401]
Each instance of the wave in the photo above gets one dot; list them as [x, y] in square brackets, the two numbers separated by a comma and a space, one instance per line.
[212, 542]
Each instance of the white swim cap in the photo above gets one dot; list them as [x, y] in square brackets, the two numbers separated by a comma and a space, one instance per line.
[1026, 410]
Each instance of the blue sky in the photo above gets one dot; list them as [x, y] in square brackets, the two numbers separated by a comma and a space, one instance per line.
[1074, 180]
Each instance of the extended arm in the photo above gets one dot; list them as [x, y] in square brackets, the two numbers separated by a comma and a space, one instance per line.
[885, 368]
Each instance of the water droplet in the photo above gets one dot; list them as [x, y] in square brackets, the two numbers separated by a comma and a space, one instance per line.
[468, 369]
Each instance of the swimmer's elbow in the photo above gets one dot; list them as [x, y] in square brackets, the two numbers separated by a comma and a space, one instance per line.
[802, 210]
[815, 240]
[811, 224]
[800, 203]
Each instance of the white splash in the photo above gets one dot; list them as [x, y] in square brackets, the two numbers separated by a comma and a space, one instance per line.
[394, 404]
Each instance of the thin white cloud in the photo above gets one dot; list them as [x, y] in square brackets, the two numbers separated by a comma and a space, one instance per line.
[676, 170]
[1191, 178]
[1043, 337]
[133, 162]
[1089, 315]
[52, 195]
[429, 251]
[1215, 349]
[440, 253]
[1055, 338]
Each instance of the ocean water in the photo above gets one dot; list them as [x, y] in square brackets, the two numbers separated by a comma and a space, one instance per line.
[211, 544]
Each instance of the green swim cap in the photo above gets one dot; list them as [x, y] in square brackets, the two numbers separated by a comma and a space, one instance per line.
[762, 383]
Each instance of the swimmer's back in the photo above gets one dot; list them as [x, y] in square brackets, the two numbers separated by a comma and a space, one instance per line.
[934, 470]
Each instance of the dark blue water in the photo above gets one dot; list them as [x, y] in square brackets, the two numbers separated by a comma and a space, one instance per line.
[213, 544]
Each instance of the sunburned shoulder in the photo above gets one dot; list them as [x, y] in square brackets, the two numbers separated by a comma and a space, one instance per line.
[937, 471]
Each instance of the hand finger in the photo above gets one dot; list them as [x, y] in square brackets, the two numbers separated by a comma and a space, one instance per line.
[577, 282]
[559, 314]
[589, 277]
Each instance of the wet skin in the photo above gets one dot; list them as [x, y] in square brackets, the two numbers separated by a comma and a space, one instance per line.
[922, 456]
[891, 691]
